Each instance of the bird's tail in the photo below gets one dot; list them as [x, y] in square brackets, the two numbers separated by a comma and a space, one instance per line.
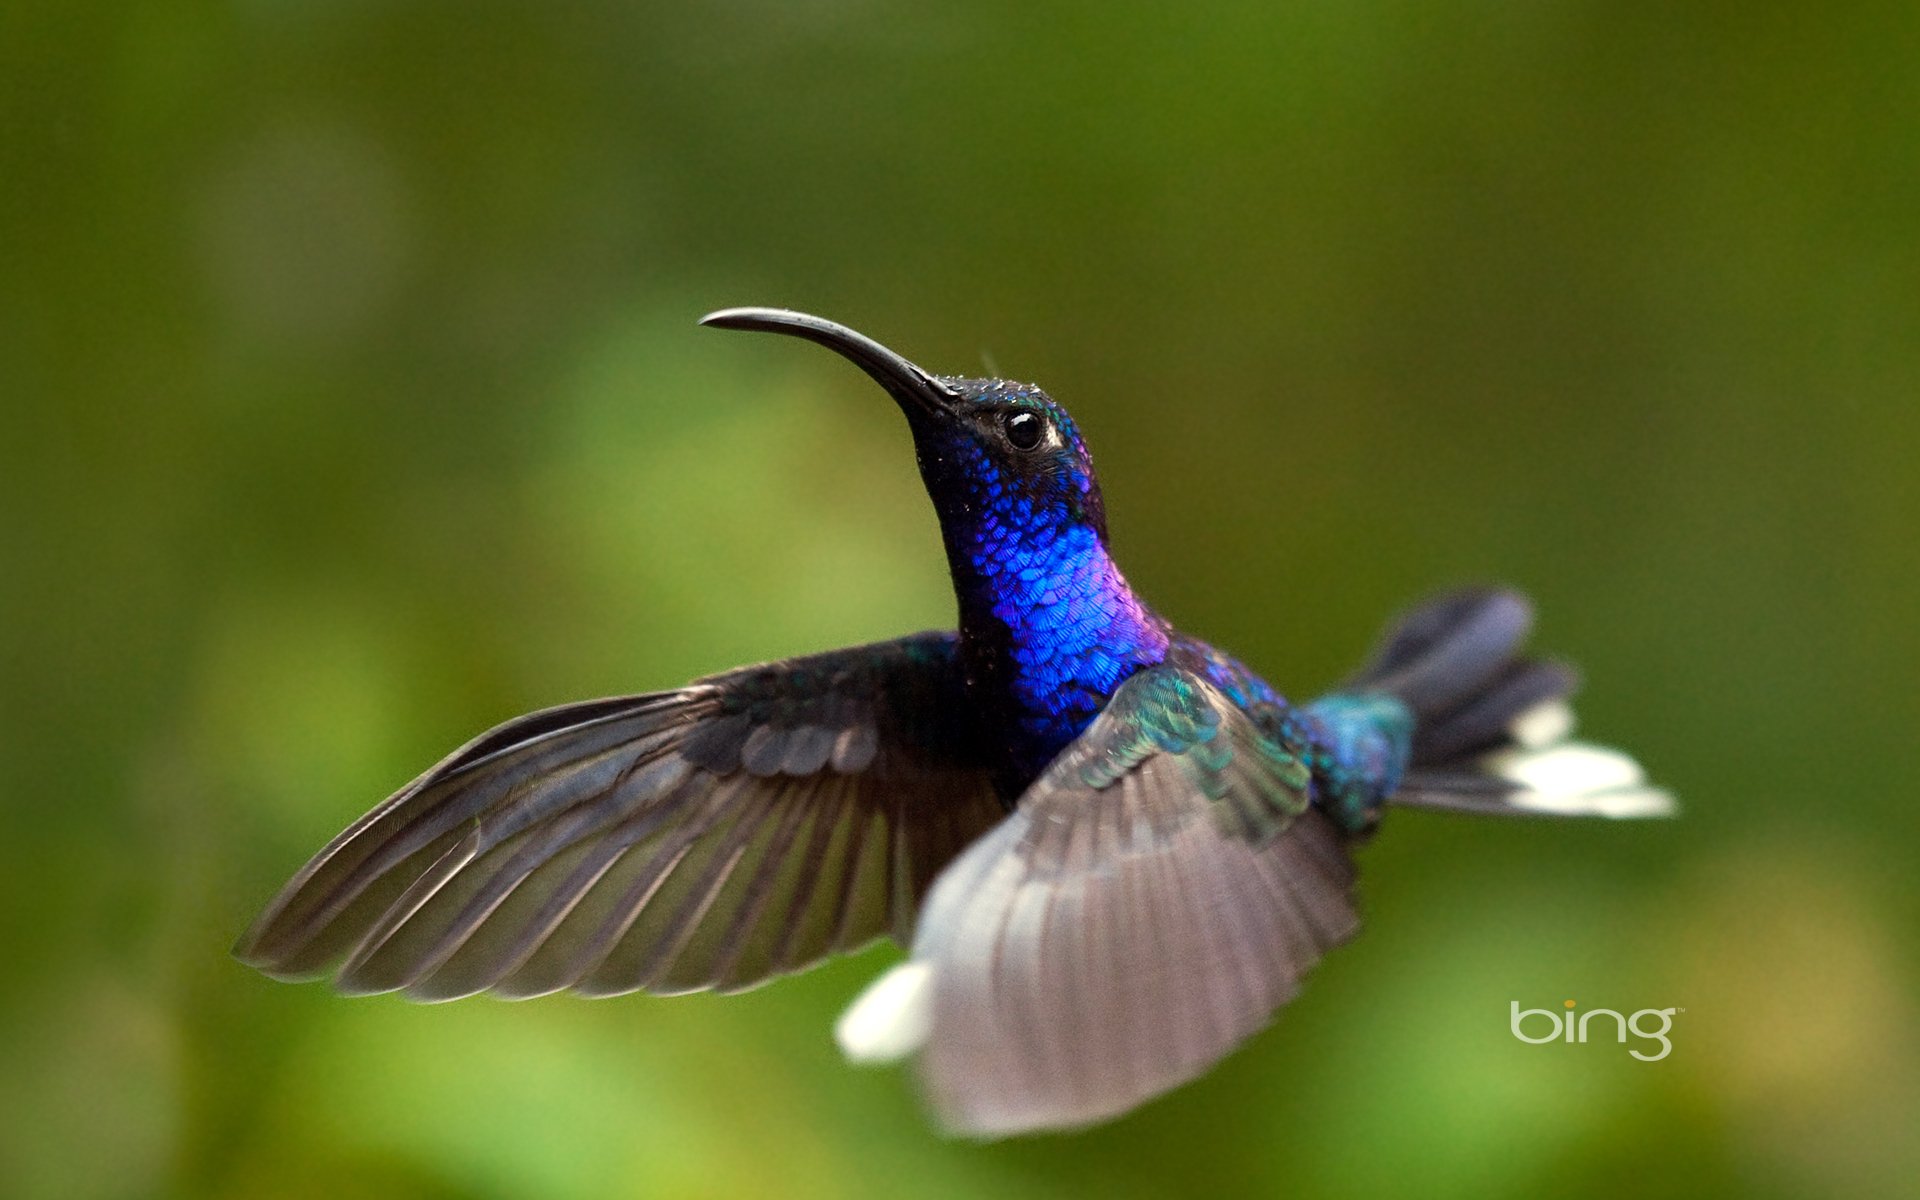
[1491, 725]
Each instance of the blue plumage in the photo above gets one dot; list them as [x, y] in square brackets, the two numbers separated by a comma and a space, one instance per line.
[1366, 739]
[1113, 849]
[1050, 628]
[1048, 625]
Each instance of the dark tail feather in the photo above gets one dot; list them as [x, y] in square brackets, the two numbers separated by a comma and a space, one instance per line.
[1454, 662]
[1441, 651]
[1490, 725]
[1483, 722]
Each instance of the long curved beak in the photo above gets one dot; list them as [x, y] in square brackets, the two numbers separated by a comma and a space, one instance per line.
[912, 388]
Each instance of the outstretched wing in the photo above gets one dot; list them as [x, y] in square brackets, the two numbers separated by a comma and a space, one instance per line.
[742, 827]
[1160, 890]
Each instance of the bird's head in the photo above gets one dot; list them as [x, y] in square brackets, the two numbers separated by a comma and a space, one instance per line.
[993, 453]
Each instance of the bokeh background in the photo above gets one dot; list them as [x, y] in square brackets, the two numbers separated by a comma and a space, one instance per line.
[353, 402]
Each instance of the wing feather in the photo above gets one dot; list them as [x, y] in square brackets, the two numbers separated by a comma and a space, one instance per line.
[1158, 893]
[737, 829]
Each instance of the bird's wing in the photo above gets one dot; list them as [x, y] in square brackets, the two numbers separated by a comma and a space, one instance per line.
[742, 827]
[1159, 891]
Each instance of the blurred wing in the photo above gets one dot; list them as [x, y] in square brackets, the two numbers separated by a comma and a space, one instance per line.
[1160, 890]
[742, 827]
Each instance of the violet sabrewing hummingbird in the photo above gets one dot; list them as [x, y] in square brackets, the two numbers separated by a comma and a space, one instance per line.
[1112, 850]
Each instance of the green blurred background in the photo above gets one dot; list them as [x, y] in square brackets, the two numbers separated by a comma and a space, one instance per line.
[354, 402]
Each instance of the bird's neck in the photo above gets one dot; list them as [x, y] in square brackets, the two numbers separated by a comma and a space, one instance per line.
[1048, 629]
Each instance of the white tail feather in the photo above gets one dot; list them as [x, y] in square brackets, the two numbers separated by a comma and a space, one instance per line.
[891, 1019]
[1579, 779]
[1543, 724]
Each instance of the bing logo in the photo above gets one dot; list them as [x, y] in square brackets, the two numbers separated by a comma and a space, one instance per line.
[1573, 1027]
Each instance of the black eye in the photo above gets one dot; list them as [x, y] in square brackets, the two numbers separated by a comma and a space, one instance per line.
[1023, 429]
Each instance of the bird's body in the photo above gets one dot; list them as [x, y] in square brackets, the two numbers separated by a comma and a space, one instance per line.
[1113, 849]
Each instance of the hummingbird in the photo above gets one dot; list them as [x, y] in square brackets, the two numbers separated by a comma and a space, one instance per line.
[1111, 850]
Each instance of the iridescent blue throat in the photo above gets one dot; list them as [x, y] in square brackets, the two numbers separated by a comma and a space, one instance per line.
[1048, 625]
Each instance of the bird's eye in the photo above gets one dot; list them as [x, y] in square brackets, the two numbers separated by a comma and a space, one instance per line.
[1023, 429]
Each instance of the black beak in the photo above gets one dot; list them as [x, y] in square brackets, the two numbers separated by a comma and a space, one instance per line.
[912, 388]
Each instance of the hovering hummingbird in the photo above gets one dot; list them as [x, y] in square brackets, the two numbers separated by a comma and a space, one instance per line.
[1111, 849]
